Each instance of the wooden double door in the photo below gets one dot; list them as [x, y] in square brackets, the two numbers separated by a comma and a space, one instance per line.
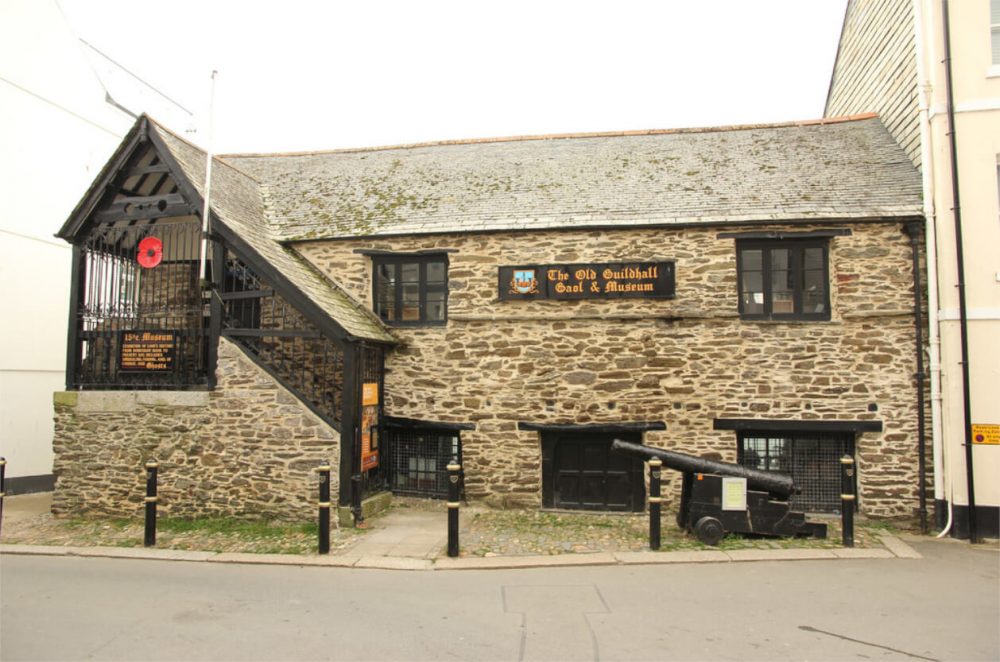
[580, 472]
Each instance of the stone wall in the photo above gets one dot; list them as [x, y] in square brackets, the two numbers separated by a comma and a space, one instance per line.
[685, 361]
[246, 449]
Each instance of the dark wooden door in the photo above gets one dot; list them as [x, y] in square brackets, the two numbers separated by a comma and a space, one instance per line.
[583, 474]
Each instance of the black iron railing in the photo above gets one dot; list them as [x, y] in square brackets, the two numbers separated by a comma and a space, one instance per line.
[139, 317]
[290, 347]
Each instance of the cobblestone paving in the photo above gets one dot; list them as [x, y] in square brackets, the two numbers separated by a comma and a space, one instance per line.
[484, 532]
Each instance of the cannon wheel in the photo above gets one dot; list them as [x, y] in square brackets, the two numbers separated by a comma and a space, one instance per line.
[709, 530]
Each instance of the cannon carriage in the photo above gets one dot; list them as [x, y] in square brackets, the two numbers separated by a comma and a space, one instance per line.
[719, 498]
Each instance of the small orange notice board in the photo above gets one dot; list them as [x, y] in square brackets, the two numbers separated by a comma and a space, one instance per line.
[369, 425]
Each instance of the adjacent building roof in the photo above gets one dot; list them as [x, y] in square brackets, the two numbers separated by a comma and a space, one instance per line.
[835, 169]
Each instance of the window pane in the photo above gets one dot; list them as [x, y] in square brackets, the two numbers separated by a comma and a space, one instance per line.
[814, 292]
[752, 282]
[435, 307]
[411, 272]
[385, 291]
[782, 282]
[752, 293]
[813, 259]
[411, 300]
[752, 260]
[436, 272]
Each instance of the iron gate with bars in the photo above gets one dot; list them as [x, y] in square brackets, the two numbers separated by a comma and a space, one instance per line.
[418, 460]
[812, 460]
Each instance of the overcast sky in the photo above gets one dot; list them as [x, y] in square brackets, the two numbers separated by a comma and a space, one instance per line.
[311, 75]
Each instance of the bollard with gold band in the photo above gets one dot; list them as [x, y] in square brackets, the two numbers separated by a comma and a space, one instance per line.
[3, 471]
[454, 494]
[324, 507]
[847, 498]
[152, 467]
[654, 503]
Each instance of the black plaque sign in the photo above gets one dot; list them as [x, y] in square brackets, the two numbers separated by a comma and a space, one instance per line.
[619, 280]
[146, 351]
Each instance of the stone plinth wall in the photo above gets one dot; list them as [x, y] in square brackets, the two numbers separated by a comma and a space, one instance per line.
[685, 361]
[248, 448]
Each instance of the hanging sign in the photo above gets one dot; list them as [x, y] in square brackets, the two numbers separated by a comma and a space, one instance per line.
[369, 425]
[150, 252]
[369, 393]
[619, 280]
[146, 351]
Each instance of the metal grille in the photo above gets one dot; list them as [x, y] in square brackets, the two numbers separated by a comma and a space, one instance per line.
[117, 295]
[419, 460]
[282, 340]
[375, 479]
[812, 459]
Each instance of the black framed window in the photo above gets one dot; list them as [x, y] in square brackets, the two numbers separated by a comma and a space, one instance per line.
[411, 289]
[784, 279]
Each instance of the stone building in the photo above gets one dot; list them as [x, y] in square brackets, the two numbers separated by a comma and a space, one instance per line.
[745, 293]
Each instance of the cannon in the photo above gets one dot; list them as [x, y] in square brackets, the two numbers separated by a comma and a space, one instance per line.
[719, 498]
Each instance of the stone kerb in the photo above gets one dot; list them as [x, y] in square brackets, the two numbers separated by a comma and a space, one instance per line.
[246, 449]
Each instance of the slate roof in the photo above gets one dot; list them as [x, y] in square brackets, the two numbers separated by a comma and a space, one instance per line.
[835, 169]
[236, 200]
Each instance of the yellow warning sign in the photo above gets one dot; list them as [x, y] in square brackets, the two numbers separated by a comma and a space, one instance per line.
[986, 434]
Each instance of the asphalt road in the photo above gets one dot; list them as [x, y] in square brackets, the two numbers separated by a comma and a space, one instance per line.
[945, 606]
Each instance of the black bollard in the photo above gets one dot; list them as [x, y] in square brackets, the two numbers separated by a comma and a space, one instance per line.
[453, 502]
[324, 508]
[152, 466]
[3, 470]
[847, 499]
[654, 503]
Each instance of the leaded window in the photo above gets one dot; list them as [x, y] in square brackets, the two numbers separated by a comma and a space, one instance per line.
[783, 279]
[411, 290]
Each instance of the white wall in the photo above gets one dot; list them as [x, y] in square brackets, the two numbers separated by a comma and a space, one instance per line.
[56, 133]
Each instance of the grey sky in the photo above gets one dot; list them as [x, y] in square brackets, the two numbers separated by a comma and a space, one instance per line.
[302, 75]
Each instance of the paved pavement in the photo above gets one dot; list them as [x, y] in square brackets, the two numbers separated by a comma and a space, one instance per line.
[943, 606]
[408, 539]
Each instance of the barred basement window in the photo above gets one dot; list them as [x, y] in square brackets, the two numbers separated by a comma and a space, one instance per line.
[419, 459]
[811, 459]
[783, 279]
[411, 290]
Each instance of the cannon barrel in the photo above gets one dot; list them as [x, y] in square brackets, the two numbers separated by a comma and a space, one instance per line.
[777, 485]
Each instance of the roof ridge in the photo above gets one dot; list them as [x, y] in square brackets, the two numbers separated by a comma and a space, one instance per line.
[560, 136]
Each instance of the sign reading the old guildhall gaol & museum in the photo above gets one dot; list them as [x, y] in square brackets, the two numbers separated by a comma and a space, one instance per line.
[653, 280]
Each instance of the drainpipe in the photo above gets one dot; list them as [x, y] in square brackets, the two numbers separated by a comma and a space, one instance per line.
[960, 263]
[913, 231]
[925, 85]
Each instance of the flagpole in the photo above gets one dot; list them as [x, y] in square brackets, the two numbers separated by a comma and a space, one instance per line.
[205, 212]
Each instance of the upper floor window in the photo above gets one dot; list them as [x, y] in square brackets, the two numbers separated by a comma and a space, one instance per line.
[411, 289]
[783, 279]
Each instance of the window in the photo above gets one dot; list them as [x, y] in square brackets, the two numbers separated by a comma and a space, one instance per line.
[811, 459]
[783, 279]
[411, 289]
[419, 459]
[995, 30]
